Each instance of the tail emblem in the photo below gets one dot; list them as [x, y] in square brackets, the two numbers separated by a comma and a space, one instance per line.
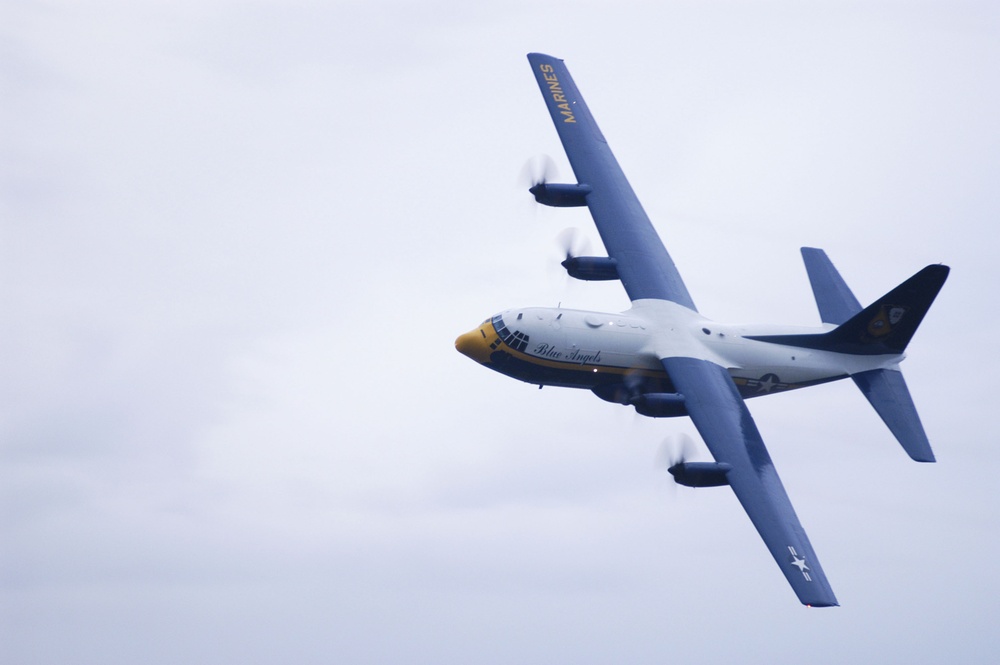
[887, 317]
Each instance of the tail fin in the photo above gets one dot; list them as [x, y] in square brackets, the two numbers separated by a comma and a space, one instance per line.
[888, 324]
[884, 327]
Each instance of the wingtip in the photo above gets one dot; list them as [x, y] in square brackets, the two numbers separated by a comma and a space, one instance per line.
[820, 598]
[535, 54]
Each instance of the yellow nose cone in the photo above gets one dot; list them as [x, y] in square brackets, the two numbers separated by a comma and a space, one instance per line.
[475, 344]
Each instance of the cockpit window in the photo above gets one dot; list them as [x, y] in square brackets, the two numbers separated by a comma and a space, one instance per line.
[515, 340]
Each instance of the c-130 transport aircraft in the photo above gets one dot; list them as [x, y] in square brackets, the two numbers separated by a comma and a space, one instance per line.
[665, 359]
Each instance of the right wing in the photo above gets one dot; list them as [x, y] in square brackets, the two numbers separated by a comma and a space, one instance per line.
[644, 266]
[722, 419]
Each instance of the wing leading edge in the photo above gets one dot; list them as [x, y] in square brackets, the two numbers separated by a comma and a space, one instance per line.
[644, 266]
[725, 423]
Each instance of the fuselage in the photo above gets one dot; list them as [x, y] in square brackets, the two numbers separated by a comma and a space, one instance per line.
[618, 355]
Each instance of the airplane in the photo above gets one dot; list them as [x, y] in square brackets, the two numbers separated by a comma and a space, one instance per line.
[666, 360]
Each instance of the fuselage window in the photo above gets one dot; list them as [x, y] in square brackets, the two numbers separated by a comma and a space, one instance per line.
[516, 340]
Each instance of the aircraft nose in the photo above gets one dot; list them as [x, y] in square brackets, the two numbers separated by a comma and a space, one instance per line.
[474, 345]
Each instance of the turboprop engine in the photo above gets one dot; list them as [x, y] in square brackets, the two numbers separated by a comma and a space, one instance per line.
[659, 405]
[591, 268]
[560, 195]
[700, 474]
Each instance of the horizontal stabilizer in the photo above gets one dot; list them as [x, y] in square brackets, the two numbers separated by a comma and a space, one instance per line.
[886, 391]
[834, 298]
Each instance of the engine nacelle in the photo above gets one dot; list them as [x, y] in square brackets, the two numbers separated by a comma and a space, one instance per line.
[660, 405]
[591, 268]
[560, 196]
[701, 474]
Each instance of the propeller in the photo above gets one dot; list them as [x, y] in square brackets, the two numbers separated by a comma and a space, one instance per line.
[633, 383]
[675, 449]
[538, 170]
[569, 242]
[572, 243]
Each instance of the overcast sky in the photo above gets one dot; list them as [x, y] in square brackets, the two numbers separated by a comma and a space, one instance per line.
[238, 240]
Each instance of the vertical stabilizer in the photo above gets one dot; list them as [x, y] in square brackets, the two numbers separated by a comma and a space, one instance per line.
[885, 327]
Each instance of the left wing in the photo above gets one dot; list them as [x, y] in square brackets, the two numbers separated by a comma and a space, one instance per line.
[644, 266]
[722, 419]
